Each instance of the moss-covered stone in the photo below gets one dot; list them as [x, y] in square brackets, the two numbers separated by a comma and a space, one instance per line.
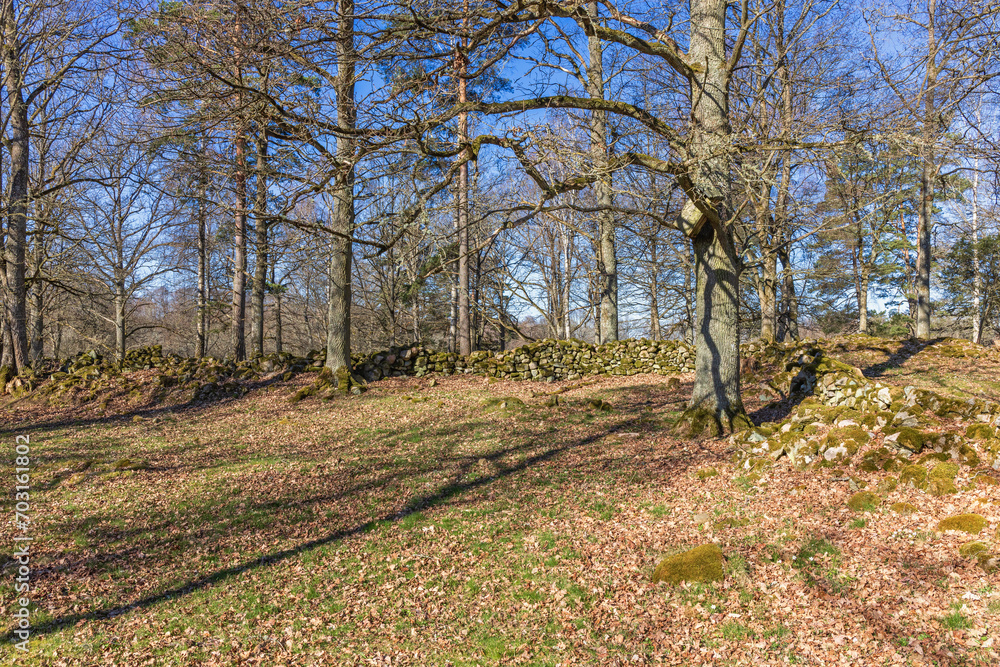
[966, 523]
[887, 485]
[970, 549]
[701, 564]
[941, 479]
[980, 432]
[864, 501]
[914, 476]
[497, 403]
[985, 480]
[705, 473]
[904, 508]
[906, 437]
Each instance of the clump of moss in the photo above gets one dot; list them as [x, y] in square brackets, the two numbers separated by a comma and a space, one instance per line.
[967, 523]
[904, 508]
[887, 485]
[729, 522]
[705, 473]
[986, 480]
[503, 403]
[980, 432]
[970, 549]
[914, 475]
[881, 459]
[941, 479]
[864, 501]
[701, 564]
[598, 404]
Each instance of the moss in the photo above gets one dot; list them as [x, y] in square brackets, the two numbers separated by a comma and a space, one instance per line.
[887, 485]
[6, 375]
[980, 432]
[729, 522]
[904, 508]
[864, 501]
[967, 523]
[986, 480]
[503, 403]
[971, 549]
[855, 433]
[908, 438]
[701, 564]
[881, 459]
[968, 455]
[941, 479]
[914, 475]
[705, 473]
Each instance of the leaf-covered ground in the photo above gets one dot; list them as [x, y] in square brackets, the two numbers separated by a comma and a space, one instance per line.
[413, 525]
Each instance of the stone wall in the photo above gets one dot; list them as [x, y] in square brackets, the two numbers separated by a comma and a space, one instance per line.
[547, 360]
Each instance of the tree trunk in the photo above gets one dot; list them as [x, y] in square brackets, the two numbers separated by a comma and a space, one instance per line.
[38, 299]
[120, 333]
[788, 323]
[928, 173]
[238, 317]
[18, 146]
[278, 342]
[716, 403]
[654, 289]
[607, 258]
[462, 214]
[338, 334]
[977, 275]
[567, 257]
[260, 247]
[202, 315]
[767, 293]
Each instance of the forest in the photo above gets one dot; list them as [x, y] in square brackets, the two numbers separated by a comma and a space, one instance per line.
[748, 250]
[228, 179]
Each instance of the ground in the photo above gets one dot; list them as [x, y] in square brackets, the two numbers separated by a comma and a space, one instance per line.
[429, 525]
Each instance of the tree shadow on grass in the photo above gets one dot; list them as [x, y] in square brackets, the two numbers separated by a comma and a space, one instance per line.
[538, 448]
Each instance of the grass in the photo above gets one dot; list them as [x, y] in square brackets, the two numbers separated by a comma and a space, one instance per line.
[956, 620]
[376, 528]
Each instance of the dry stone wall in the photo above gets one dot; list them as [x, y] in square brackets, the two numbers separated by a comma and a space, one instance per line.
[547, 360]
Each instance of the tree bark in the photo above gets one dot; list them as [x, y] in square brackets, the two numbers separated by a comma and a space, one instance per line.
[977, 275]
[607, 258]
[260, 247]
[18, 145]
[120, 332]
[238, 317]
[338, 335]
[462, 213]
[202, 314]
[716, 403]
[928, 174]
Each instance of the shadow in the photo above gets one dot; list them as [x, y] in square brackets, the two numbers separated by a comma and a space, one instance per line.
[910, 348]
[536, 449]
